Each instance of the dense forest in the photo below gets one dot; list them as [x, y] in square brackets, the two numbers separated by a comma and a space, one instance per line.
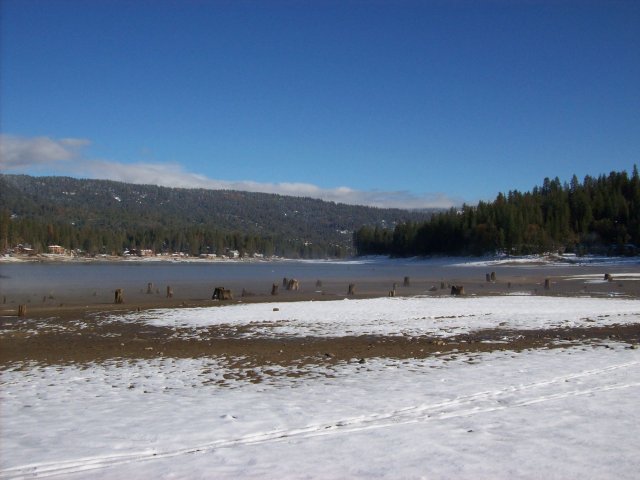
[100, 216]
[599, 215]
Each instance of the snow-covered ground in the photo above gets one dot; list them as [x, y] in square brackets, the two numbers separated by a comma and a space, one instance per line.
[409, 316]
[560, 413]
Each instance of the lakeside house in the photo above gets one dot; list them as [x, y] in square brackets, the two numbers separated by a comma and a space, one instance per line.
[24, 249]
[56, 250]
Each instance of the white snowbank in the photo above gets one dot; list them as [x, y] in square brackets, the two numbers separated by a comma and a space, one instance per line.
[412, 316]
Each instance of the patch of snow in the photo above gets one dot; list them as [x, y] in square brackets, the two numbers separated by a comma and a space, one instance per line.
[561, 413]
[438, 316]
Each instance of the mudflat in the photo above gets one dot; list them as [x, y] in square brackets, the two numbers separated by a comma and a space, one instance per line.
[68, 328]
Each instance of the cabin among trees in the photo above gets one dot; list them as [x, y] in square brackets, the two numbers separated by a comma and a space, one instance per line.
[599, 215]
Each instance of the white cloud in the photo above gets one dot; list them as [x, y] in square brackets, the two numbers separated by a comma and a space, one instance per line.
[25, 155]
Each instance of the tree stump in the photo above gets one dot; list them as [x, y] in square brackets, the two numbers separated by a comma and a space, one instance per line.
[547, 284]
[392, 293]
[274, 289]
[608, 277]
[119, 296]
[221, 293]
[169, 291]
[285, 282]
[22, 310]
[493, 276]
[457, 290]
[149, 288]
[352, 289]
[407, 282]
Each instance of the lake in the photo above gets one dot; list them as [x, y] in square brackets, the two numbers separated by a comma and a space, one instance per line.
[73, 280]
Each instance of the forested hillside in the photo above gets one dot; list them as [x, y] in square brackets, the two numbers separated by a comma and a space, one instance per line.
[598, 215]
[99, 216]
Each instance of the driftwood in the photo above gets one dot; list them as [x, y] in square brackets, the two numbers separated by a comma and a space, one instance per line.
[119, 296]
[221, 293]
[22, 310]
[457, 290]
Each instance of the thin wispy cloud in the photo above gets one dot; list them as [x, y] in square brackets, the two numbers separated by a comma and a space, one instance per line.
[65, 157]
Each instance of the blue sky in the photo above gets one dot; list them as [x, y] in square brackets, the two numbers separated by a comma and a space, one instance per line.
[388, 103]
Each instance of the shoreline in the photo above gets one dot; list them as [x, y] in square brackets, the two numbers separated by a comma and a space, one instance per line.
[66, 325]
[75, 304]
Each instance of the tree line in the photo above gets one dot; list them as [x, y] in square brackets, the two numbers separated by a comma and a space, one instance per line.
[597, 215]
[105, 217]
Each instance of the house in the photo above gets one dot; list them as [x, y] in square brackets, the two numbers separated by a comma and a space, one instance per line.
[56, 249]
[25, 249]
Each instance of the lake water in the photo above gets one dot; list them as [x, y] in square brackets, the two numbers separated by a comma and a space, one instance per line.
[197, 279]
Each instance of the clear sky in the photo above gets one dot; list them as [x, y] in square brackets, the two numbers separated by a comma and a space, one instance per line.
[390, 103]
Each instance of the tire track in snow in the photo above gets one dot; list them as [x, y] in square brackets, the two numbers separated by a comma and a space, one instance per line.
[465, 405]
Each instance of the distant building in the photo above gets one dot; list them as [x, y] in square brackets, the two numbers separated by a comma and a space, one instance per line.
[56, 249]
[23, 249]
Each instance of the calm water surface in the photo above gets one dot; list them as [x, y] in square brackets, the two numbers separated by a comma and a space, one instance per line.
[80, 277]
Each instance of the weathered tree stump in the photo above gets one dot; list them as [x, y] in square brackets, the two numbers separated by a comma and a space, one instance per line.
[221, 293]
[119, 296]
[22, 310]
[169, 291]
[457, 290]
[293, 284]
[407, 282]
[352, 289]
[274, 289]
[547, 284]
[149, 288]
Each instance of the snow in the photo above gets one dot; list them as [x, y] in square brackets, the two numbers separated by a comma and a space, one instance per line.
[568, 412]
[409, 316]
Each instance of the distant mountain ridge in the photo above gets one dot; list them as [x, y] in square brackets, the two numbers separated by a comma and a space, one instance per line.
[103, 216]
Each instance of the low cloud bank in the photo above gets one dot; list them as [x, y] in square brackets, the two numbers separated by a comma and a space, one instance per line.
[65, 157]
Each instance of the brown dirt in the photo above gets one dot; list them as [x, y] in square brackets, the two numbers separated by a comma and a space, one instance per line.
[63, 341]
[72, 330]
